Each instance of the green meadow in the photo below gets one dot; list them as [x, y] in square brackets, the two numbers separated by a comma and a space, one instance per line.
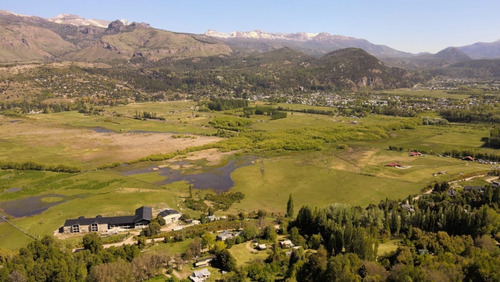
[319, 159]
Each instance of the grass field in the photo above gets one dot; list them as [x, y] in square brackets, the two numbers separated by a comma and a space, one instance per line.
[387, 247]
[244, 256]
[354, 175]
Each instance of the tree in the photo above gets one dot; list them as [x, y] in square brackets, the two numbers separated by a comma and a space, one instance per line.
[207, 239]
[92, 242]
[250, 232]
[193, 249]
[289, 207]
[225, 260]
[269, 233]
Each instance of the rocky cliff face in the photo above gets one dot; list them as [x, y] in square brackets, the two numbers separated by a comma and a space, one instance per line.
[70, 37]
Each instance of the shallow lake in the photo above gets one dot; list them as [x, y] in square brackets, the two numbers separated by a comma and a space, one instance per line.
[218, 178]
[32, 205]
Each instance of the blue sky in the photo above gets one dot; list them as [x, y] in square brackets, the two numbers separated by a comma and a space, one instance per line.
[412, 26]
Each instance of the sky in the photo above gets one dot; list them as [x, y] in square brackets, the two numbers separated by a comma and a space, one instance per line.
[406, 25]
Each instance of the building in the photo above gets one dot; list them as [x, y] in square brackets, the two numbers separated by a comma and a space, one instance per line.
[170, 216]
[468, 158]
[394, 165]
[414, 154]
[408, 208]
[140, 219]
[200, 275]
[474, 188]
[224, 236]
[203, 262]
[286, 244]
[261, 247]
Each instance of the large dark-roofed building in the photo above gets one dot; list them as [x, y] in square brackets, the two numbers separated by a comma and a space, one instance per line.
[141, 219]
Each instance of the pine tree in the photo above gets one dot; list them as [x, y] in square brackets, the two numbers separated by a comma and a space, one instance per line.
[289, 207]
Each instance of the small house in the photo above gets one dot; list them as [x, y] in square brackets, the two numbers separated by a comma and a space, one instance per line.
[286, 244]
[224, 236]
[200, 275]
[475, 188]
[408, 208]
[452, 192]
[212, 218]
[414, 154]
[468, 158]
[170, 215]
[394, 165]
[203, 262]
[261, 247]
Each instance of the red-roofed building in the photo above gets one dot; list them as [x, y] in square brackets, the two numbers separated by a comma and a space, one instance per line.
[394, 165]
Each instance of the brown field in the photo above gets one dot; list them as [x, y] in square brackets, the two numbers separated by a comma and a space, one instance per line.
[60, 144]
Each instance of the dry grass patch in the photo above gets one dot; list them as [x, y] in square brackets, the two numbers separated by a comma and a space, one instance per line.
[49, 143]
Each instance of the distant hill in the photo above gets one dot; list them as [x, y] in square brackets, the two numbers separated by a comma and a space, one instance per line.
[315, 44]
[482, 50]
[354, 68]
[443, 58]
[483, 69]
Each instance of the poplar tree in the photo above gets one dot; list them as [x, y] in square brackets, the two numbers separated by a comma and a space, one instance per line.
[289, 207]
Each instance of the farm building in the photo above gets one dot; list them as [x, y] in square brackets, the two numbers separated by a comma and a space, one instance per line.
[394, 165]
[468, 158]
[414, 154]
[169, 215]
[140, 219]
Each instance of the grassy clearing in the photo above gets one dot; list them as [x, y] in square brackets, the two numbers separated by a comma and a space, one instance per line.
[311, 182]
[387, 247]
[244, 256]
[151, 177]
[172, 247]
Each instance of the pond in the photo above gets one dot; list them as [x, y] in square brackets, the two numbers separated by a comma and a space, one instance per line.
[102, 130]
[218, 178]
[12, 190]
[105, 130]
[33, 205]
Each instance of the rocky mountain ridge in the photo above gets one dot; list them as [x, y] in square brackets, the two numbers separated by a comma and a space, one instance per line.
[315, 44]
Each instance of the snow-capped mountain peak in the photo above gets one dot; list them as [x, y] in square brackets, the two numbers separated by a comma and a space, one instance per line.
[78, 21]
[259, 34]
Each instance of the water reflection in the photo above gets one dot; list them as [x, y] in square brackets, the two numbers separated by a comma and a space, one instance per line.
[218, 179]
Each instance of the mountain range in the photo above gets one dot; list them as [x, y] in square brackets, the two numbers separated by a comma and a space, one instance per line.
[30, 38]
[71, 37]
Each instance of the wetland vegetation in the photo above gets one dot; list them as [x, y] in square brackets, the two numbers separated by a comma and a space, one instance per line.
[320, 156]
